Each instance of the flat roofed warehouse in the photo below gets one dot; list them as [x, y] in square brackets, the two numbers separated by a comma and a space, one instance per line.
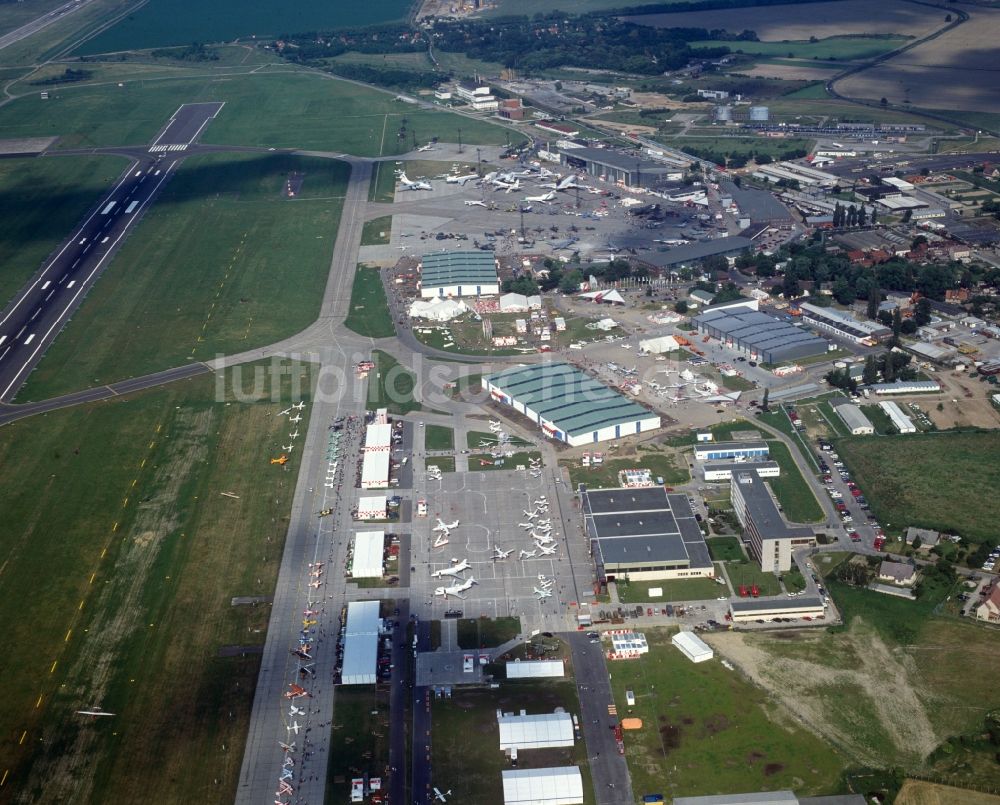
[569, 405]
[561, 785]
[769, 609]
[717, 451]
[618, 167]
[645, 534]
[761, 337]
[842, 324]
[537, 731]
[361, 643]
[471, 273]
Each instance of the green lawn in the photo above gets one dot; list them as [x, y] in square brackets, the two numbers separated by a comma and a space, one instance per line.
[303, 110]
[475, 439]
[794, 581]
[637, 592]
[376, 231]
[484, 461]
[879, 419]
[383, 183]
[223, 262]
[945, 481]
[736, 383]
[838, 48]
[439, 437]
[359, 742]
[708, 730]
[666, 465]
[390, 385]
[443, 463]
[117, 507]
[41, 201]
[486, 632]
[749, 573]
[726, 549]
[369, 314]
[793, 492]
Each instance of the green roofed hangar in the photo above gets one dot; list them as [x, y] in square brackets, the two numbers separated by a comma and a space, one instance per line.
[569, 405]
[450, 274]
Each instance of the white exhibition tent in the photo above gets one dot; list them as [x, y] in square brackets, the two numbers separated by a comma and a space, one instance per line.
[525, 669]
[369, 548]
[611, 297]
[692, 646]
[372, 508]
[515, 302]
[438, 310]
[539, 731]
[655, 346]
[561, 785]
[361, 643]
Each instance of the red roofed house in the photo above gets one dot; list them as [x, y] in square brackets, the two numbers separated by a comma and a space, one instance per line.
[989, 610]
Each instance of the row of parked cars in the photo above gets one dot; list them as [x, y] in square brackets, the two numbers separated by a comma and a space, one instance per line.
[827, 457]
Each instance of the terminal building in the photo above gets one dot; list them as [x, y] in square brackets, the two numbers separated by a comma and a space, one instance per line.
[569, 405]
[743, 328]
[844, 325]
[449, 274]
[644, 535]
[741, 451]
[771, 539]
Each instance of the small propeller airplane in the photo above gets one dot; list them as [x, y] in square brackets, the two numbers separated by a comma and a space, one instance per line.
[287, 747]
[288, 447]
[527, 554]
[441, 797]
[474, 203]
[299, 405]
[325, 512]
[294, 435]
[283, 459]
[297, 418]
[452, 571]
[443, 526]
[500, 553]
[296, 691]
[428, 147]
[295, 711]
[286, 412]
[547, 550]
[293, 727]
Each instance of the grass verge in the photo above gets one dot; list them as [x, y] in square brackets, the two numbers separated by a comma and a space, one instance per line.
[390, 385]
[439, 437]
[793, 492]
[376, 231]
[637, 592]
[726, 549]
[482, 461]
[369, 314]
[475, 633]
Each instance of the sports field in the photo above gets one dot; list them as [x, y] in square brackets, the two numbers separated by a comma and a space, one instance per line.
[224, 261]
[278, 107]
[120, 557]
[41, 200]
[707, 730]
[945, 481]
[161, 23]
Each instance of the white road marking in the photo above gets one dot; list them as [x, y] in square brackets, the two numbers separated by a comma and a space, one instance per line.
[82, 242]
[29, 339]
[47, 298]
[131, 207]
[138, 173]
[47, 284]
[20, 332]
[109, 207]
[71, 283]
[75, 263]
[2, 339]
[106, 238]
[35, 314]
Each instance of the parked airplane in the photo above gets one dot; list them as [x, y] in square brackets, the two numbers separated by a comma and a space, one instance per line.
[443, 526]
[540, 594]
[428, 147]
[440, 796]
[543, 538]
[295, 419]
[294, 435]
[462, 179]
[299, 405]
[288, 447]
[286, 412]
[501, 554]
[550, 196]
[293, 727]
[452, 571]
[475, 203]
[456, 589]
[526, 526]
[280, 460]
[296, 691]
[547, 550]
[530, 515]
[408, 185]
[287, 747]
[295, 711]
[94, 711]
[527, 554]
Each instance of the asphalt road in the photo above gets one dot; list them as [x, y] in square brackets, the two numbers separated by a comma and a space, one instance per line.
[41, 22]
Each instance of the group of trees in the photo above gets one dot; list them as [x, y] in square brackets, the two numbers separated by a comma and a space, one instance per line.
[852, 216]
[566, 277]
[741, 157]
[887, 367]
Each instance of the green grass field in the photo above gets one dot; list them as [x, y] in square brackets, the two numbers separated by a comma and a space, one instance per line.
[439, 437]
[116, 592]
[376, 232]
[369, 314]
[474, 633]
[359, 741]
[476, 438]
[179, 22]
[222, 262]
[464, 751]
[708, 730]
[41, 200]
[637, 592]
[303, 110]
[946, 481]
[666, 465]
[443, 463]
[837, 48]
[485, 461]
[749, 573]
[726, 549]
[390, 385]
[793, 492]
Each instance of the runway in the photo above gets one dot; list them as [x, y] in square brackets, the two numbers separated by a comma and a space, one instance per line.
[36, 316]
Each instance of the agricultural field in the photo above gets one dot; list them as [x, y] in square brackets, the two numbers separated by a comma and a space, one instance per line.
[833, 48]
[955, 71]
[944, 480]
[708, 730]
[799, 22]
[249, 270]
[369, 313]
[471, 768]
[41, 200]
[882, 689]
[162, 23]
[302, 110]
[117, 593]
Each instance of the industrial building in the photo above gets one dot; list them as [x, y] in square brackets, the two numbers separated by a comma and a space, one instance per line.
[692, 646]
[569, 405]
[369, 551]
[715, 471]
[376, 455]
[855, 420]
[538, 731]
[534, 669]
[771, 539]
[719, 451]
[560, 785]
[900, 421]
[617, 167]
[748, 610]
[743, 328]
[906, 387]
[644, 534]
[477, 95]
[449, 274]
[844, 325]
[693, 252]
[361, 643]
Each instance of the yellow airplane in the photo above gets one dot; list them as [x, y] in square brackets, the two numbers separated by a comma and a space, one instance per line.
[282, 459]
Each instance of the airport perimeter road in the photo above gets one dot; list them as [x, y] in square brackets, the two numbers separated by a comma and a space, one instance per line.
[612, 784]
[311, 539]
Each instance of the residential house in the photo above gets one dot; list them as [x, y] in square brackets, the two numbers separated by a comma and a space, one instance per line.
[897, 573]
[989, 610]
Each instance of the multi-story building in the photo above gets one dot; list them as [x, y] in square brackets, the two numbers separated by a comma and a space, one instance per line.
[771, 539]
